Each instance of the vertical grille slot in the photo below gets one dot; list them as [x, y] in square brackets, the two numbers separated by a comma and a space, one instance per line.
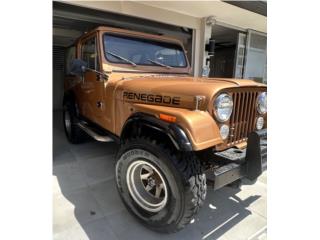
[236, 123]
[244, 115]
[249, 107]
[232, 126]
[253, 109]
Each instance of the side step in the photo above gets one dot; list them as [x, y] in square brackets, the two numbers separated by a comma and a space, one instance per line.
[93, 134]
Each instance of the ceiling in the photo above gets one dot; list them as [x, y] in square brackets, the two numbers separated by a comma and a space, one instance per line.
[224, 12]
[259, 7]
[72, 18]
[183, 13]
[224, 35]
[70, 22]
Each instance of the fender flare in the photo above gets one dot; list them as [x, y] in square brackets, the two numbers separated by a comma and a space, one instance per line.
[177, 135]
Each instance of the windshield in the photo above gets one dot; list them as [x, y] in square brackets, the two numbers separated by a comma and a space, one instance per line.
[138, 51]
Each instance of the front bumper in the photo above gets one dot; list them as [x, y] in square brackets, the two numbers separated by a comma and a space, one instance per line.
[234, 164]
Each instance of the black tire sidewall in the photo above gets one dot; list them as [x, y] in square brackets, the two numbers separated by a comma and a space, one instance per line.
[66, 108]
[76, 135]
[174, 208]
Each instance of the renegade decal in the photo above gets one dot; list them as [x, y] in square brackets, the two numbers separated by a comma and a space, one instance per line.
[151, 98]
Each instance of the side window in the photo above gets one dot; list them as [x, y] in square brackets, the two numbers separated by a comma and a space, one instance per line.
[70, 55]
[89, 53]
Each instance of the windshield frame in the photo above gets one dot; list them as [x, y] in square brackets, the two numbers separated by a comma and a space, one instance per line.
[142, 67]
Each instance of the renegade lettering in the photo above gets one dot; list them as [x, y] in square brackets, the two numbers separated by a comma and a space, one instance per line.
[151, 98]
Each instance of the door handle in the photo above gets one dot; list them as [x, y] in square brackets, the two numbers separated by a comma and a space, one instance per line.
[101, 77]
[99, 104]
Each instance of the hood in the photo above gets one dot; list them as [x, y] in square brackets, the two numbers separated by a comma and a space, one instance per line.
[176, 91]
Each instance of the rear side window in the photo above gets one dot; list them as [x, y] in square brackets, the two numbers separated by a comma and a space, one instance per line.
[89, 53]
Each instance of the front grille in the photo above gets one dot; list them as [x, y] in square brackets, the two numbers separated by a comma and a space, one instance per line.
[242, 120]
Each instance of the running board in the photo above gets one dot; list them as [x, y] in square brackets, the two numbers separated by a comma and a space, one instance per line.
[93, 134]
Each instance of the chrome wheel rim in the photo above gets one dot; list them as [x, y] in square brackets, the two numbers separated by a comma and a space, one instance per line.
[67, 122]
[147, 186]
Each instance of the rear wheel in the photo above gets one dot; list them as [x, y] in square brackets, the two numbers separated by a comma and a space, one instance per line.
[73, 131]
[161, 188]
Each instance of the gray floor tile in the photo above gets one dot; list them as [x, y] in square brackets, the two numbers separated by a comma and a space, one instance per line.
[98, 169]
[55, 186]
[246, 228]
[99, 230]
[126, 227]
[191, 232]
[63, 157]
[263, 178]
[63, 214]
[260, 207]
[93, 149]
[78, 207]
[107, 197]
[86, 207]
[70, 177]
[76, 232]
[219, 214]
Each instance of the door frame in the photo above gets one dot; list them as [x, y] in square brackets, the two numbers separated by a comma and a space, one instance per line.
[97, 113]
[237, 52]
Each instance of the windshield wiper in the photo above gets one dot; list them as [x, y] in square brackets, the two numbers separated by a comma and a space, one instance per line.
[160, 64]
[122, 58]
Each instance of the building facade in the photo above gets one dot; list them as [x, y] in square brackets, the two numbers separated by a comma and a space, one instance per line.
[237, 30]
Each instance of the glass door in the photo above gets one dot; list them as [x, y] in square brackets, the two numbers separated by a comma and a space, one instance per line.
[255, 61]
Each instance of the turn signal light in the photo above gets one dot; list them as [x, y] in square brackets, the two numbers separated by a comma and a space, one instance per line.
[167, 118]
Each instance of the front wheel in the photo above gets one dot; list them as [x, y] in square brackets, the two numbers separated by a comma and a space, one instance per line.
[161, 188]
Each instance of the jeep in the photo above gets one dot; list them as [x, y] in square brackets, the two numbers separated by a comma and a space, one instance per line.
[177, 134]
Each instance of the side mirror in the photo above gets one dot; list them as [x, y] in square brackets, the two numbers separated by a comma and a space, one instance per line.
[78, 67]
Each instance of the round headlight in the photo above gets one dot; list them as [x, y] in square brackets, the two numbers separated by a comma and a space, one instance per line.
[224, 131]
[260, 123]
[223, 106]
[262, 103]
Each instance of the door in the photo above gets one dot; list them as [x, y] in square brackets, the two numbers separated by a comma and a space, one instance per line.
[92, 88]
[255, 66]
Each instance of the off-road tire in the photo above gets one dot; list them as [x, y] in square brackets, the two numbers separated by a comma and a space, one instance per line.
[182, 173]
[75, 134]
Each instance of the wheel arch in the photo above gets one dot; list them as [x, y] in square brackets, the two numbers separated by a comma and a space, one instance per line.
[69, 96]
[145, 124]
